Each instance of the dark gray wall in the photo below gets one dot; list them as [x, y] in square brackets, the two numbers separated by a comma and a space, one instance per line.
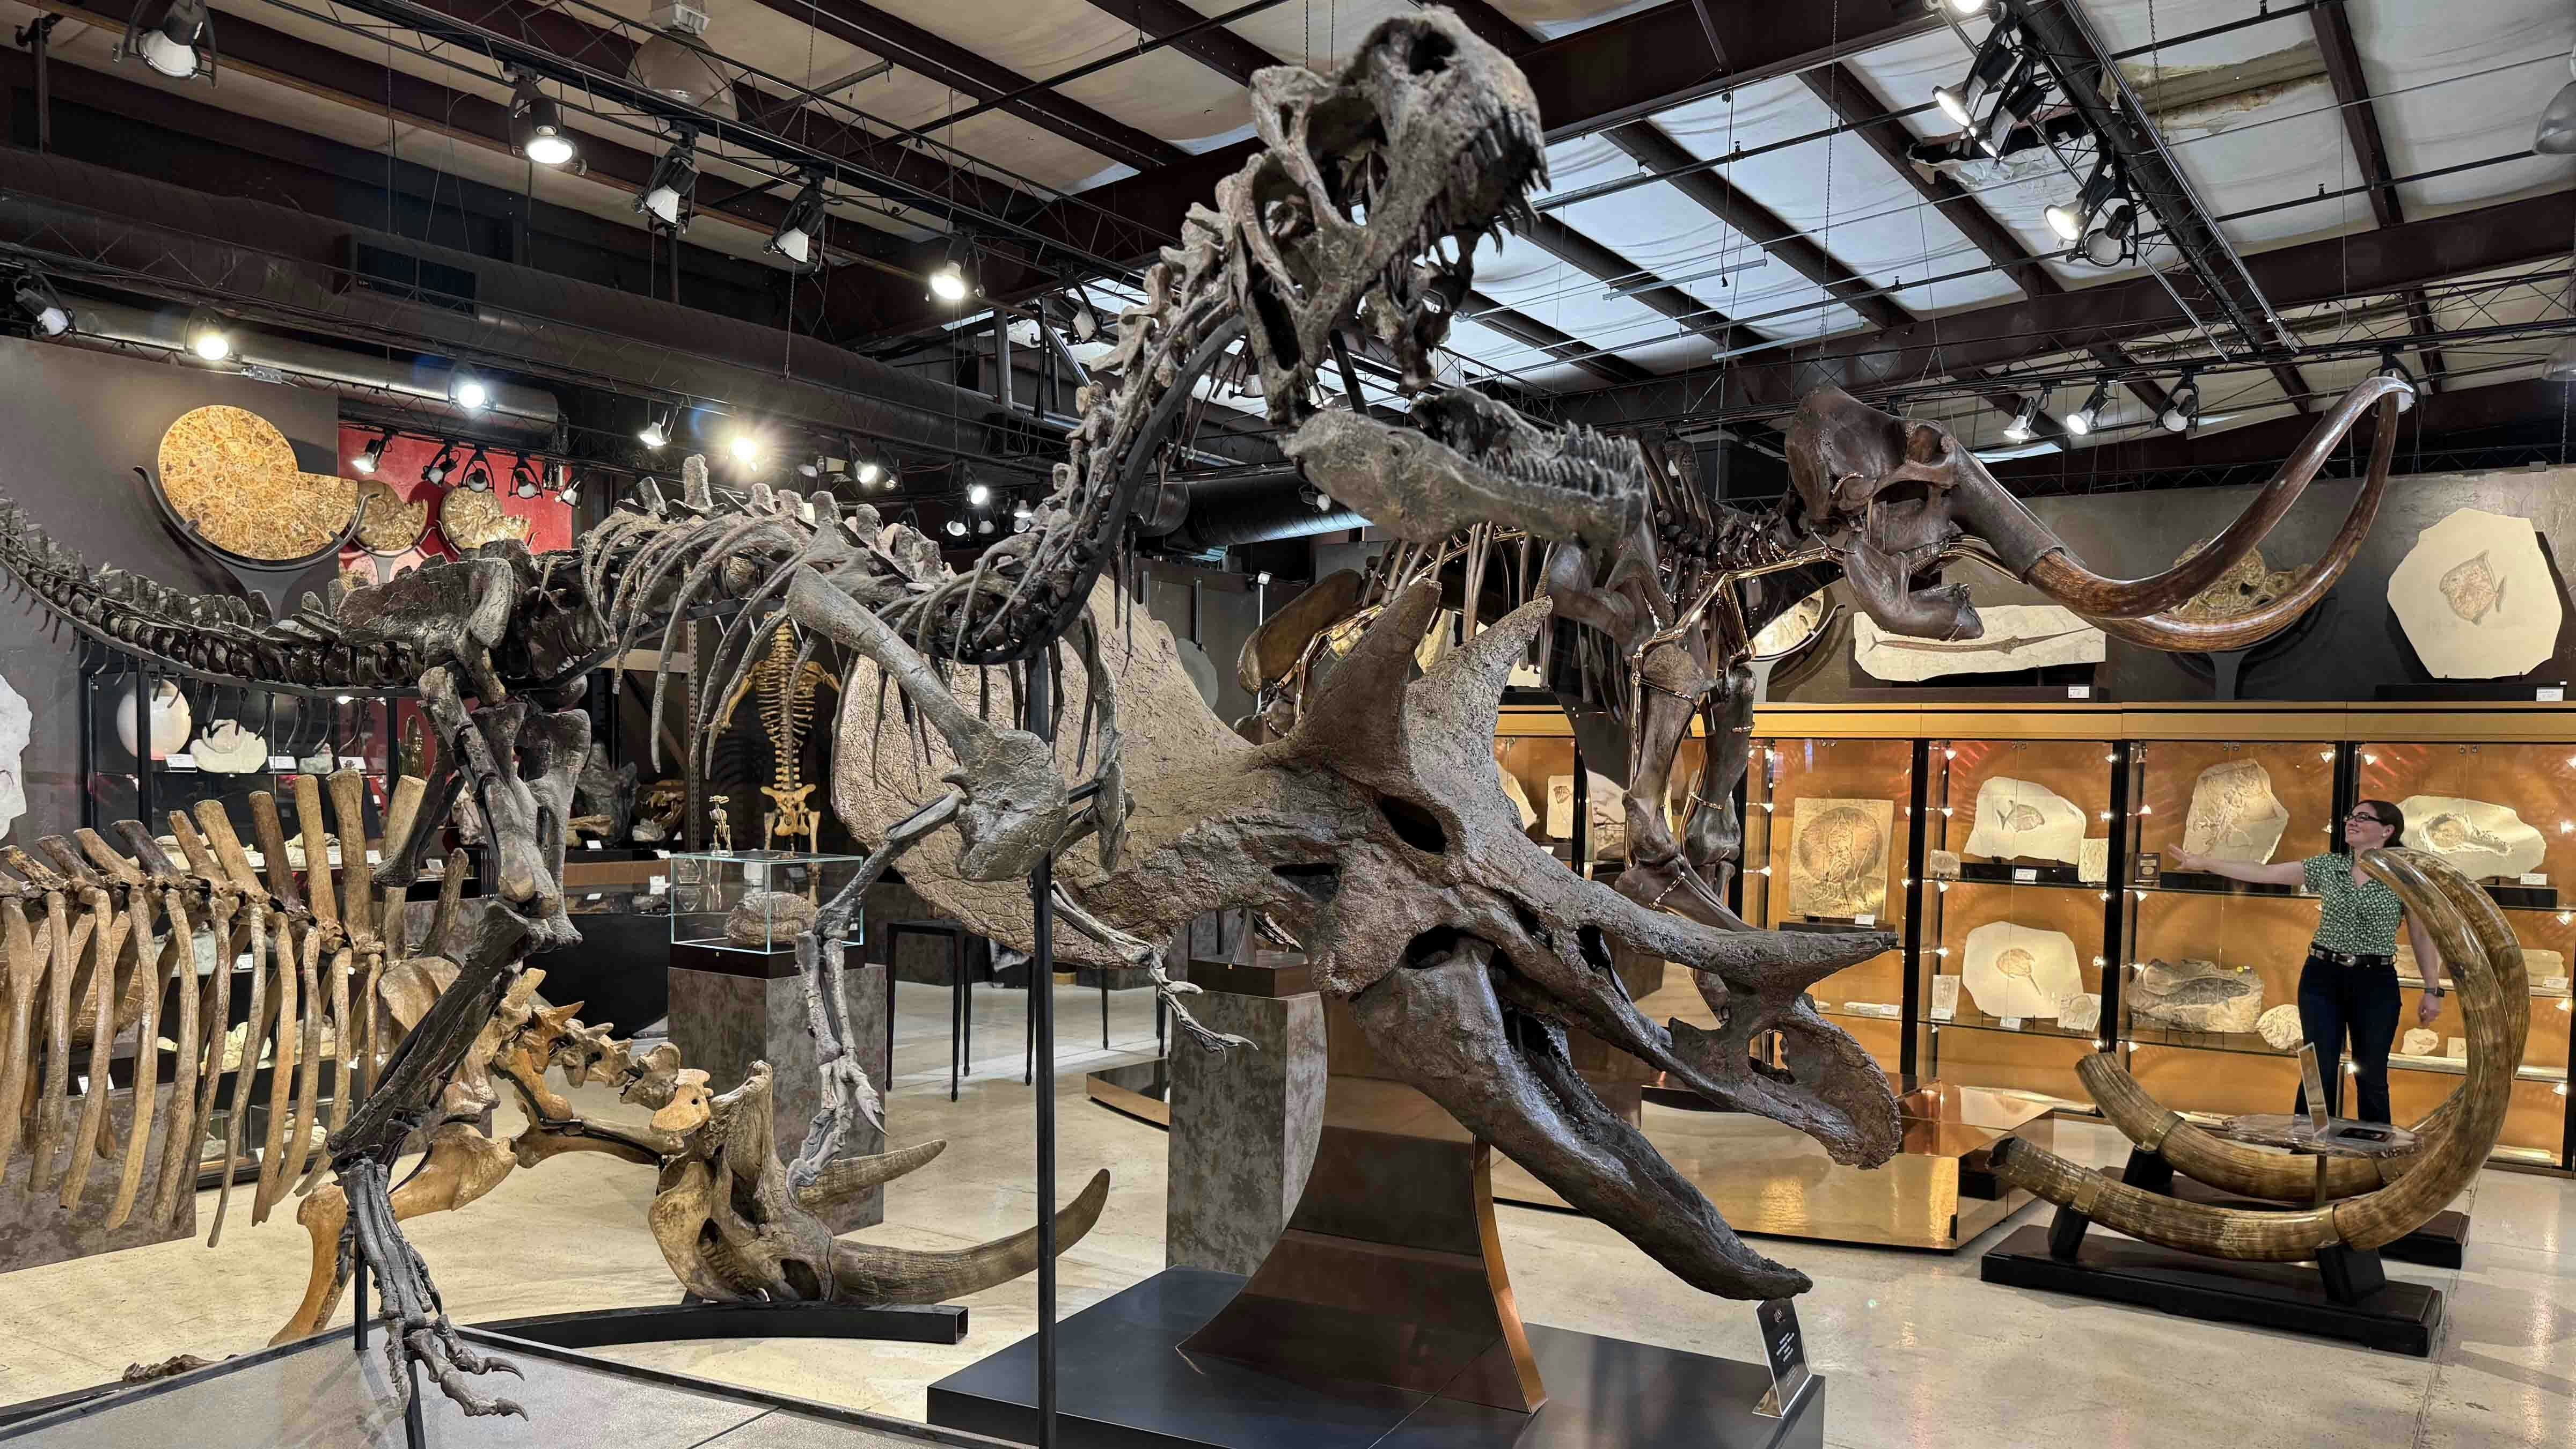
[2352, 647]
[73, 427]
[1227, 615]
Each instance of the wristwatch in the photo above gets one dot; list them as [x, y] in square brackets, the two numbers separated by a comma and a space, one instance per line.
[2437, 991]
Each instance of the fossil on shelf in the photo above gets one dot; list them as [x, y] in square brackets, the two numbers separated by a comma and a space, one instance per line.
[2477, 598]
[2196, 995]
[2020, 971]
[2482, 839]
[1838, 856]
[2017, 636]
[2234, 815]
[227, 749]
[2023, 820]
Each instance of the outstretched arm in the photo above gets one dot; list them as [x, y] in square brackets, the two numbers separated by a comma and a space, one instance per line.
[2282, 872]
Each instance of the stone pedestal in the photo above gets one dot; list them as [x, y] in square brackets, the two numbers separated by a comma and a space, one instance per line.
[730, 1009]
[1244, 1123]
[34, 1229]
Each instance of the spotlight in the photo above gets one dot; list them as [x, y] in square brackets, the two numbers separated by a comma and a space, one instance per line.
[983, 525]
[35, 297]
[523, 480]
[675, 176]
[2081, 421]
[2021, 99]
[745, 449]
[2025, 424]
[2182, 406]
[468, 391]
[209, 336]
[170, 47]
[869, 473]
[1994, 62]
[655, 433]
[366, 462]
[440, 466]
[810, 468]
[2113, 239]
[957, 528]
[478, 472]
[2391, 366]
[1966, 7]
[1020, 509]
[1262, 579]
[978, 495]
[948, 284]
[803, 227]
[536, 123]
[2069, 219]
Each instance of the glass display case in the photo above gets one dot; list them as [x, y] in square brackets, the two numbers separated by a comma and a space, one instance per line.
[2506, 814]
[1828, 846]
[2016, 919]
[2205, 955]
[756, 900]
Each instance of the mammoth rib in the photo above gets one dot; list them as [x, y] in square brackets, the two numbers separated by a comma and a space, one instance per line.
[2035, 554]
[866, 1273]
[2233, 1167]
[2494, 996]
[2164, 631]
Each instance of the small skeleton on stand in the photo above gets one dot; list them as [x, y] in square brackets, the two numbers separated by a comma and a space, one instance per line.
[720, 824]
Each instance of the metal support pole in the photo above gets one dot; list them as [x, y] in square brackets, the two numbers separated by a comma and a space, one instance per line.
[358, 1286]
[1041, 722]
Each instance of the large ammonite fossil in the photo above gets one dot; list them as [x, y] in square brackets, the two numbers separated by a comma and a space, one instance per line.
[2248, 585]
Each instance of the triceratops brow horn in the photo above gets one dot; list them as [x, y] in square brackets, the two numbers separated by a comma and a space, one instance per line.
[2034, 553]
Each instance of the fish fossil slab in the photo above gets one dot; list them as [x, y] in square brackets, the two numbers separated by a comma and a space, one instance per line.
[2196, 995]
[2022, 820]
[2017, 636]
[2476, 597]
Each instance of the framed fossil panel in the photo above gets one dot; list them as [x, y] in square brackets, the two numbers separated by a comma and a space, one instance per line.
[2017, 636]
[1839, 856]
[2476, 597]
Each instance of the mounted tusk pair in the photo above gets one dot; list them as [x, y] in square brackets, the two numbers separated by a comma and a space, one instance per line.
[2495, 999]
[2233, 1166]
[2136, 609]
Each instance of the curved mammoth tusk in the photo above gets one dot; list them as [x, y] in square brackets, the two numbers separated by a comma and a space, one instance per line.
[2231, 1166]
[2495, 998]
[2033, 553]
[866, 1273]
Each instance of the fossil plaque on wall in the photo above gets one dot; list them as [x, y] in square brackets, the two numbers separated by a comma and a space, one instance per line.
[2476, 597]
[1838, 856]
[2017, 636]
[2234, 814]
[2019, 820]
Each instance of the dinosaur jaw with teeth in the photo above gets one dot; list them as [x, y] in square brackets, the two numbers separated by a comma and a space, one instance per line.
[1462, 458]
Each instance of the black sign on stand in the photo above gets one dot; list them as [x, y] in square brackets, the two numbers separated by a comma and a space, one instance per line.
[1784, 1348]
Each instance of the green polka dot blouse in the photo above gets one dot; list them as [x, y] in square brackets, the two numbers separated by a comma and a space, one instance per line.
[2360, 920]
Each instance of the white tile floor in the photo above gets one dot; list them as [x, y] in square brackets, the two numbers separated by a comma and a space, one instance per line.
[1919, 1352]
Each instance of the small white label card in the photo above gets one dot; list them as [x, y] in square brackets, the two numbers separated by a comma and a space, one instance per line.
[657, 885]
[180, 762]
[1865, 919]
[590, 845]
[2025, 875]
[2010, 1023]
[282, 762]
[2550, 694]
[2079, 691]
[2535, 878]
[353, 762]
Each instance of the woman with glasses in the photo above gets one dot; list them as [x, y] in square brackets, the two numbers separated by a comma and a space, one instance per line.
[2349, 985]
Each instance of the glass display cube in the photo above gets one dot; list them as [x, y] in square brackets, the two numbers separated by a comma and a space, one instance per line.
[756, 900]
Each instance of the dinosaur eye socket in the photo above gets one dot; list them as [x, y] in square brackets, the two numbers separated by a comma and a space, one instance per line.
[1429, 54]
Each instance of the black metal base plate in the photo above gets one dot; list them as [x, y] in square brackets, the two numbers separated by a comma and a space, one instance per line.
[697, 1319]
[2441, 1243]
[2399, 1318]
[1123, 1383]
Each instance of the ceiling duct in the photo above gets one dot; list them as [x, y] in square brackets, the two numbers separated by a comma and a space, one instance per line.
[271, 265]
[1260, 505]
[673, 62]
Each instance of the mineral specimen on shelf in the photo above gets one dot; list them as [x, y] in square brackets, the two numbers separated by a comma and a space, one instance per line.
[2018, 820]
[1608, 806]
[1945, 996]
[471, 518]
[2093, 860]
[2234, 815]
[1838, 856]
[2196, 995]
[2481, 838]
[1942, 864]
[170, 720]
[768, 918]
[2280, 1028]
[228, 749]
[388, 525]
[2016, 970]
[2419, 1042]
[2476, 597]
[2016, 637]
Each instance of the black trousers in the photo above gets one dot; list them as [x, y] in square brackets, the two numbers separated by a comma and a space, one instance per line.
[2359, 1001]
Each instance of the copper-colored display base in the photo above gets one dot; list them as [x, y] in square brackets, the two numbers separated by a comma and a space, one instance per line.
[1391, 1271]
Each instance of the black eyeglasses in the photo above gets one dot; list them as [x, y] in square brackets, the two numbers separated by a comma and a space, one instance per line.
[2363, 817]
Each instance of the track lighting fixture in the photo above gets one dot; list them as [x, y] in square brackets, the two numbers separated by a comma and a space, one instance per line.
[2391, 365]
[2069, 218]
[209, 334]
[2022, 96]
[957, 528]
[675, 176]
[45, 310]
[2025, 424]
[977, 495]
[1966, 7]
[468, 391]
[983, 525]
[869, 473]
[656, 431]
[2556, 133]
[948, 280]
[2182, 406]
[2084, 419]
[536, 123]
[171, 45]
[523, 480]
[1994, 62]
[1316, 498]
[478, 472]
[2113, 239]
[372, 456]
[745, 449]
[799, 235]
[439, 467]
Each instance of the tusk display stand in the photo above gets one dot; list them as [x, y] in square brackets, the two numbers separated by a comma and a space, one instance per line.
[1383, 1317]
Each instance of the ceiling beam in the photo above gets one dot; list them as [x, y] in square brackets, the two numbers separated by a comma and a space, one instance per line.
[1631, 67]
[1217, 48]
[1491, 25]
[2361, 128]
[937, 58]
[2373, 263]
[1613, 270]
[1559, 345]
[1853, 103]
